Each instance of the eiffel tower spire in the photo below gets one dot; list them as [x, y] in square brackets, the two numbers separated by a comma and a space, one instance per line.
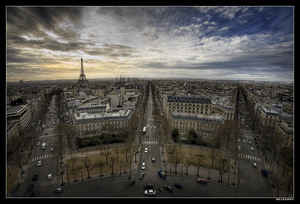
[82, 78]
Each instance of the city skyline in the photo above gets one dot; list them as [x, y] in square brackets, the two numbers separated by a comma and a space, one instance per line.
[200, 42]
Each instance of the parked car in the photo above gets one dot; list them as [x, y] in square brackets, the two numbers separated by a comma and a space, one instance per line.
[58, 190]
[146, 150]
[29, 187]
[251, 148]
[178, 185]
[39, 163]
[254, 165]
[49, 176]
[132, 182]
[150, 192]
[143, 165]
[148, 186]
[141, 175]
[35, 177]
[168, 188]
[202, 181]
[264, 172]
[152, 159]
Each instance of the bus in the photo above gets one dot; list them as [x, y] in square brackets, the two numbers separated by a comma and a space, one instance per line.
[44, 145]
[144, 130]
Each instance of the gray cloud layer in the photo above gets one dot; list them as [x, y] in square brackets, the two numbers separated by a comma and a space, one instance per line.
[252, 41]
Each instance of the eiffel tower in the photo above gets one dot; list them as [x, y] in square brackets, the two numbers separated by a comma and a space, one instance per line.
[82, 78]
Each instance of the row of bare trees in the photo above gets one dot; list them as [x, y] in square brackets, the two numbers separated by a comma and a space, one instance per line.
[187, 156]
[108, 156]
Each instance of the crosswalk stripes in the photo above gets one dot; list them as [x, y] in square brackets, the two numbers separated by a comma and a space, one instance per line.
[49, 135]
[150, 142]
[249, 157]
[47, 156]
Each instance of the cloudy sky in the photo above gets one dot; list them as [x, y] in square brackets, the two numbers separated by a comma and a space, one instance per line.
[244, 43]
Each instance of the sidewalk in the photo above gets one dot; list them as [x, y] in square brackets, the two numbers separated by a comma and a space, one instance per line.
[18, 184]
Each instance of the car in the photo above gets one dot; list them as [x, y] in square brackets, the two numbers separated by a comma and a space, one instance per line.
[29, 187]
[264, 172]
[238, 139]
[148, 186]
[178, 185]
[38, 143]
[244, 141]
[239, 148]
[150, 192]
[251, 148]
[132, 182]
[143, 165]
[39, 163]
[152, 159]
[168, 188]
[49, 176]
[201, 180]
[51, 149]
[35, 177]
[254, 165]
[58, 190]
[146, 150]
[249, 142]
[141, 175]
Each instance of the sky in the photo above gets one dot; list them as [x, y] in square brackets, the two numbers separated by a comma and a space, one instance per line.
[198, 42]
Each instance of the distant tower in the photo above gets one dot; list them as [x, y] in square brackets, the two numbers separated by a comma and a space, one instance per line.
[82, 78]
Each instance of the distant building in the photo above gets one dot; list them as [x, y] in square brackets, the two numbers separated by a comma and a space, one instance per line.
[286, 132]
[21, 115]
[89, 125]
[193, 112]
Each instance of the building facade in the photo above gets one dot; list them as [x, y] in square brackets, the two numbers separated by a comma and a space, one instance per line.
[89, 125]
[194, 113]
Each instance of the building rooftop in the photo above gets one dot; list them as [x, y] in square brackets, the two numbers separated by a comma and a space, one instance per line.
[121, 114]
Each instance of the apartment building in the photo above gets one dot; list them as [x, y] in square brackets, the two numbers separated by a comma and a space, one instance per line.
[89, 125]
[21, 115]
[193, 112]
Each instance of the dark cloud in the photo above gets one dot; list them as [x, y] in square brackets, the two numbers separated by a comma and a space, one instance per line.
[32, 20]
[112, 50]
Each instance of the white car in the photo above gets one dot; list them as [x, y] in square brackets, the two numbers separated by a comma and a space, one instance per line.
[49, 176]
[146, 150]
[239, 148]
[254, 165]
[244, 141]
[150, 192]
[251, 148]
[143, 165]
[39, 163]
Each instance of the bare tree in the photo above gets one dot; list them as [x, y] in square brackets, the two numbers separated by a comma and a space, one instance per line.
[112, 160]
[88, 166]
[74, 169]
[223, 166]
[213, 155]
[177, 158]
[100, 164]
[106, 152]
[199, 161]
[126, 150]
[136, 150]
[188, 160]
